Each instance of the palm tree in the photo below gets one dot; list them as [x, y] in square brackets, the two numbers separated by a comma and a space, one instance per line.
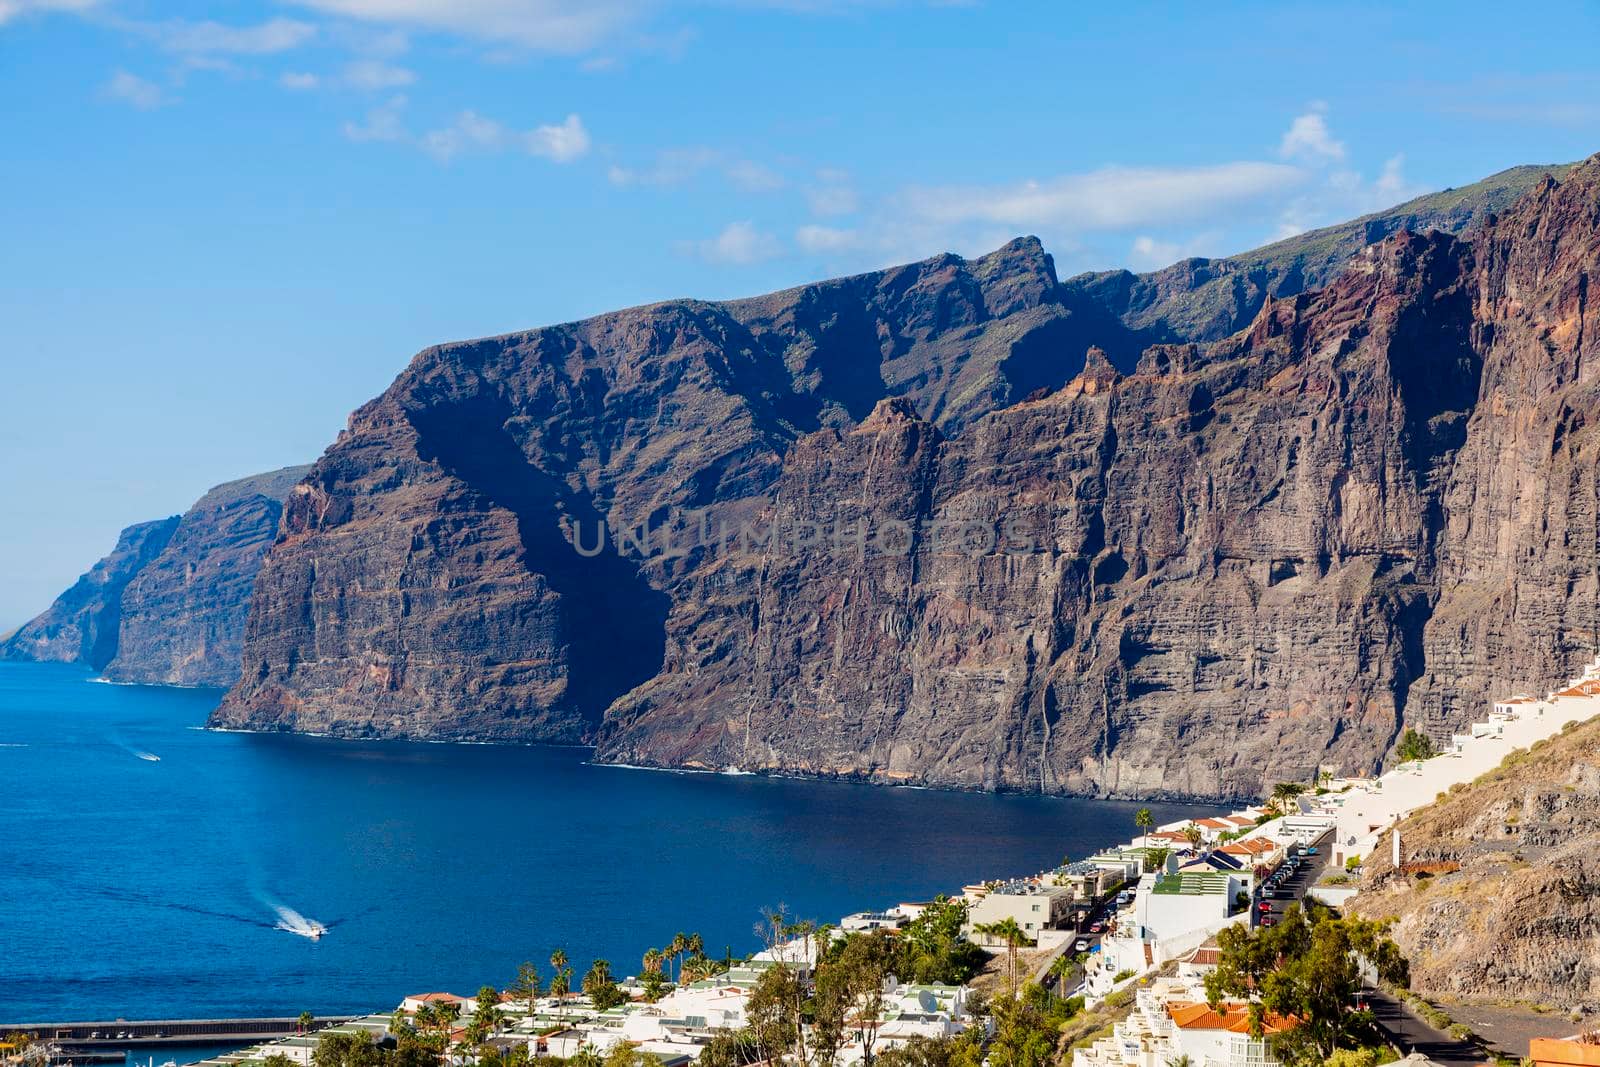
[1284, 792]
[305, 1021]
[652, 961]
[676, 948]
[695, 944]
[1143, 821]
[561, 979]
[1008, 931]
[1194, 836]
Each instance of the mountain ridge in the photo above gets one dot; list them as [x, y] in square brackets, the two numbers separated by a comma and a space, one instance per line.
[493, 454]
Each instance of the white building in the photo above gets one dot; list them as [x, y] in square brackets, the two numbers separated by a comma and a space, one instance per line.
[1171, 1020]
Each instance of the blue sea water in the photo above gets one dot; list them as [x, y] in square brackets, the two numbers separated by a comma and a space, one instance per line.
[149, 888]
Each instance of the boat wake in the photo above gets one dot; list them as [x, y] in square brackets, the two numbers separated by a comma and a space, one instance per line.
[293, 922]
[148, 756]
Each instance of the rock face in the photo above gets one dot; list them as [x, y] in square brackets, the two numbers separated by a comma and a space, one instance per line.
[1195, 570]
[169, 604]
[81, 626]
[1520, 919]
[183, 614]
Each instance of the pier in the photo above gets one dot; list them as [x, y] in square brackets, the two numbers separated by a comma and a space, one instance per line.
[135, 1034]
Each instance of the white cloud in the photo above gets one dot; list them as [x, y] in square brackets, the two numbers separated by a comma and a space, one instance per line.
[266, 38]
[1346, 194]
[739, 243]
[562, 26]
[561, 143]
[1107, 199]
[132, 89]
[299, 80]
[676, 166]
[813, 238]
[372, 75]
[751, 177]
[383, 123]
[1308, 139]
[834, 196]
[470, 131]
[1151, 253]
[11, 9]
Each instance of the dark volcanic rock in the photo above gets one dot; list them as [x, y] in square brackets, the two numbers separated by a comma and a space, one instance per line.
[81, 626]
[169, 604]
[427, 580]
[183, 614]
[1205, 569]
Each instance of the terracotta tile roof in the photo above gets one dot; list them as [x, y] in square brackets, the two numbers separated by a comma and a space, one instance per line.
[1582, 689]
[1213, 824]
[1234, 1018]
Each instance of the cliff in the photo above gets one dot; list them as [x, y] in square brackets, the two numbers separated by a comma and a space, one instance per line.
[169, 604]
[1193, 572]
[183, 615]
[1525, 842]
[82, 625]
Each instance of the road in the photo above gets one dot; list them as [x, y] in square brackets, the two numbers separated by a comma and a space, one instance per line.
[1296, 885]
[1411, 1034]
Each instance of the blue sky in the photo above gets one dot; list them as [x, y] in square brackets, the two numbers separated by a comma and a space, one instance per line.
[226, 225]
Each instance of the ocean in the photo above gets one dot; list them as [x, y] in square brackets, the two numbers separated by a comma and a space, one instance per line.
[149, 866]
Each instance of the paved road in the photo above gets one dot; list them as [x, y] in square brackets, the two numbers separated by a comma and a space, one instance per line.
[1296, 885]
[1411, 1034]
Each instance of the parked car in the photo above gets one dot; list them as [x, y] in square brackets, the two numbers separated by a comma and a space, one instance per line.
[1082, 945]
[1264, 906]
[1095, 928]
[1267, 920]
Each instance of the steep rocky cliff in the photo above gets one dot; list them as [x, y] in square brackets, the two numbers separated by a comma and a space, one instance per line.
[81, 626]
[169, 604]
[183, 614]
[1526, 840]
[1190, 571]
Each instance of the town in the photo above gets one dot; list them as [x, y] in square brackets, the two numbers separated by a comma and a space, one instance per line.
[1144, 949]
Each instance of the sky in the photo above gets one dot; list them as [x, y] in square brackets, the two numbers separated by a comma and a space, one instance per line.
[224, 226]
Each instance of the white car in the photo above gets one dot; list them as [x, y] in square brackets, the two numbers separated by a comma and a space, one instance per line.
[1082, 945]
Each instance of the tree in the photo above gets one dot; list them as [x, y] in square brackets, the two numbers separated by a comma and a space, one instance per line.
[485, 1015]
[1155, 859]
[1414, 746]
[277, 1059]
[1194, 835]
[932, 948]
[346, 1050]
[779, 929]
[1143, 821]
[601, 988]
[963, 1050]
[304, 1023]
[1023, 1035]
[435, 1022]
[773, 1014]
[1285, 792]
[1010, 934]
[849, 995]
[561, 979]
[526, 985]
[1308, 966]
[675, 950]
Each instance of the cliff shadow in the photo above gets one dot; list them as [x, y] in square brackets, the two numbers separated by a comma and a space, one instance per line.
[615, 620]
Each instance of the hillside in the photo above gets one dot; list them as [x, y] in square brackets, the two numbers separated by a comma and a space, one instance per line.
[1520, 919]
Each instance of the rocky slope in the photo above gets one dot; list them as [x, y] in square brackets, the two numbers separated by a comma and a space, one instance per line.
[183, 614]
[169, 604]
[1212, 566]
[81, 626]
[1520, 919]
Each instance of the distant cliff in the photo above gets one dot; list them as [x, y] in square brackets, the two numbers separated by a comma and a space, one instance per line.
[1237, 559]
[169, 604]
[82, 625]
